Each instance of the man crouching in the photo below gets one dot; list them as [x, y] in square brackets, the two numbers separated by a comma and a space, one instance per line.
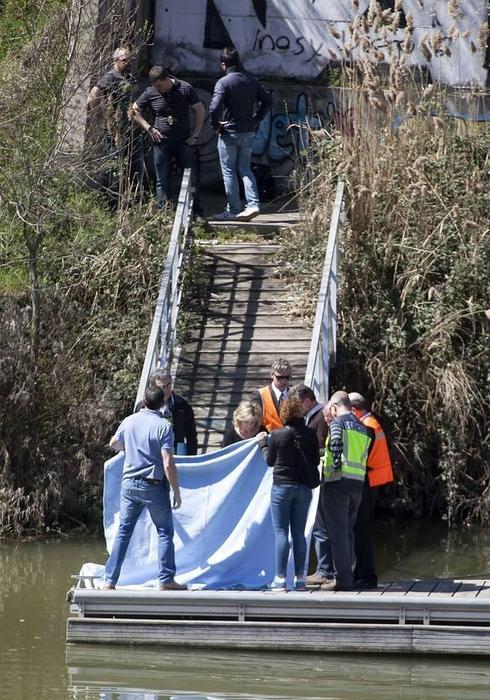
[149, 470]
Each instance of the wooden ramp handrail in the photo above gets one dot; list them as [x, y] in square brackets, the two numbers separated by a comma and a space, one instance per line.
[161, 341]
[323, 345]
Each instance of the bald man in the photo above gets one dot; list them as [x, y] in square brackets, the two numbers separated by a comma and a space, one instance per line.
[344, 469]
[379, 472]
[113, 93]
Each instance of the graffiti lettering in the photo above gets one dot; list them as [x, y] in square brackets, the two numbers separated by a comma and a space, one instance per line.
[291, 38]
[266, 42]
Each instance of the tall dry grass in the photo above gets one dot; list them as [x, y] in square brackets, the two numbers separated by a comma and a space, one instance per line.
[414, 274]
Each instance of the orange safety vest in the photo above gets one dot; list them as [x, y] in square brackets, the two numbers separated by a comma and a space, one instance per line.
[380, 470]
[270, 416]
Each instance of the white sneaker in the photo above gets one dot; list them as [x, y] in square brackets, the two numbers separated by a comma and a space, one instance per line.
[224, 216]
[248, 213]
[278, 584]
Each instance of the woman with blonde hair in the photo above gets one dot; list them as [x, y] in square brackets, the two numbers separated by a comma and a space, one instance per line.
[294, 454]
[247, 422]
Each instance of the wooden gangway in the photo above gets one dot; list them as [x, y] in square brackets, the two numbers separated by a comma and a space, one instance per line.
[242, 329]
[405, 617]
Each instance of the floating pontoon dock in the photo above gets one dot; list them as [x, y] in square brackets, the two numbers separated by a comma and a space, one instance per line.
[422, 617]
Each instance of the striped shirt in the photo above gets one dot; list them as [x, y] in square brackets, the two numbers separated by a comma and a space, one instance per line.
[171, 109]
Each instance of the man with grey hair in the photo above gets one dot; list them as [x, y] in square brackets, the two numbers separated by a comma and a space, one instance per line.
[344, 472]
[179, 412]
[379, 472]
[271, 396]
[113, 92]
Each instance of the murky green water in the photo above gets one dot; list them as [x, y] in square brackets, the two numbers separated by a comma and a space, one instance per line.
[35, 663]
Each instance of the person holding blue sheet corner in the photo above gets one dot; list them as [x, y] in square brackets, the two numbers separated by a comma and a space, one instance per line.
[148, 474]
[178, 412]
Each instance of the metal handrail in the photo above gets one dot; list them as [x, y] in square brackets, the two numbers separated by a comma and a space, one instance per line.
[160, 350]
[323, 346]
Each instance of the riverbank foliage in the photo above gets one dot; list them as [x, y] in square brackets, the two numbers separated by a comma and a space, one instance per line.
[414, 274]
[77, 288]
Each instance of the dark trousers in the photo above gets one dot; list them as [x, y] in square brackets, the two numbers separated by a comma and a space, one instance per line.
[163, 154]
[321, 540]
[341, 502]
[126, 162]
[364, 572]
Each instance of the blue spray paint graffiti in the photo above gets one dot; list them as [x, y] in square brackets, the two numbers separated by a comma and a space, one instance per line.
[284, 135]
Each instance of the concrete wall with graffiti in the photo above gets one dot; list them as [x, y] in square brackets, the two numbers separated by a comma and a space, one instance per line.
[298, 38]
[283, 134]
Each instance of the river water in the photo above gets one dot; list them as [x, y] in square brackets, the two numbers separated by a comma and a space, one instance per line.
[36, 664]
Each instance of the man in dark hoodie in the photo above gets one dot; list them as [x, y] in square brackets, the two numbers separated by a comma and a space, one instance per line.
[233, 117]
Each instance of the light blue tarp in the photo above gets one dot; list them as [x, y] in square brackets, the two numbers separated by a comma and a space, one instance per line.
[223, 531]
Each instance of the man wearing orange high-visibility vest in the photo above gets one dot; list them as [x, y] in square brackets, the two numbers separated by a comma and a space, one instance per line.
[271, 396]
[379, 472]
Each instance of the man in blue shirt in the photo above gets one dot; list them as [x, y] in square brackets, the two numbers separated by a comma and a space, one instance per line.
[233, 117]
[149, 472]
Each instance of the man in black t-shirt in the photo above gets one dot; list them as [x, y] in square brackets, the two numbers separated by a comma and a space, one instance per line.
[113, 92]
[169, 100]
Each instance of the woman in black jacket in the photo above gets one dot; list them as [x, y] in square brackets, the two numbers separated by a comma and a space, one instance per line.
[294, 454]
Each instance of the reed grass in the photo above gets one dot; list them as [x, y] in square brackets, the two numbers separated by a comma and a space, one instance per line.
[414, 274]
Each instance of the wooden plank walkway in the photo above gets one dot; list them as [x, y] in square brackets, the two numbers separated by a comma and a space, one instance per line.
[398, 617]
[243, 329]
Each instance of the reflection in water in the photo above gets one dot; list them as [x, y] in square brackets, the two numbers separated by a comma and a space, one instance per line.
[428, 549]
[34, 578]
[134, 674]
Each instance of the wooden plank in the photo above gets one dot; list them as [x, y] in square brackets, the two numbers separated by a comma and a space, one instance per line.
[250, 334]
[232, 375]
[398, 587]
[343, 637]
[484, 591]
[421, 589]
[245, 248]
[244, 635]
[435, 639]
[444, 588]
[250, 296]
[243, 258]
[468, 589]
[254, 321]
[245, 345]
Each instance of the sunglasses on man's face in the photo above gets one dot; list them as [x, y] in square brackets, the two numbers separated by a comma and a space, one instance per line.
[281, 376]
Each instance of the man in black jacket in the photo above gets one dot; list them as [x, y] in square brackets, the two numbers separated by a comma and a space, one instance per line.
[235, 119]
[179, 412]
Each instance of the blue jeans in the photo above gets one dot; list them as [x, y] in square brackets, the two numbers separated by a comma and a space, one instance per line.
[137, 494]
[235, 154]
[289, 507]
[163, 153]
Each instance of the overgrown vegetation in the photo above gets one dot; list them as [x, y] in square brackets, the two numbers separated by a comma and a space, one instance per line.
[77, 288]
[414, 273]
[78, 282]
